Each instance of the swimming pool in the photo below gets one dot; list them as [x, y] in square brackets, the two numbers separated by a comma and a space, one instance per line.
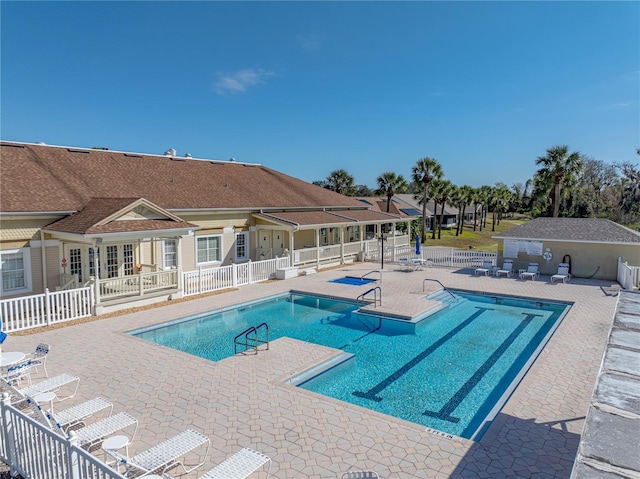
[450, 372]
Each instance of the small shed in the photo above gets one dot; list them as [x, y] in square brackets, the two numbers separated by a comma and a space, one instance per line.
[591, 246]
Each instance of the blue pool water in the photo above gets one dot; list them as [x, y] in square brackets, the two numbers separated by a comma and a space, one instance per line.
[450, 372]
[353, 281]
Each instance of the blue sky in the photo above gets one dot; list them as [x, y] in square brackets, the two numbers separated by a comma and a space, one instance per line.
[310, 87]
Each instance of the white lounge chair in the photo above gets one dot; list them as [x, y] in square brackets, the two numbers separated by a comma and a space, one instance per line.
[360, 475]
[53, 384]
[96, 432]
[486, 269]
[530, 272]
[507, 268]
[89, 435]
[164, 456]
[242, 464]
[562, 274]
[78, 414]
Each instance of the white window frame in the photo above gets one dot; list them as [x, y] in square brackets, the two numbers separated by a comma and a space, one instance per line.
[245, 235]
[220, 250]
[164, 254]
[26, 264]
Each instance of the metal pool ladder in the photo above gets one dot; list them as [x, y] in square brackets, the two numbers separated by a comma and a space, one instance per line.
[376, 301]
[250, 338]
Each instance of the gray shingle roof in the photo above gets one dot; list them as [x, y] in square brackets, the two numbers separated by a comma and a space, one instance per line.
[587, 230]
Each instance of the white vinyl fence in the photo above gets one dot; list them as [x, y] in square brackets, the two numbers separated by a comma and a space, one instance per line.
[232, 276]
[45, 309]
[35, 451]
[628, 276]
[446, 257]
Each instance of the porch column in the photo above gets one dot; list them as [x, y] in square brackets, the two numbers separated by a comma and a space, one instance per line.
[342, 245]
[179, 267]
[291, 243]
[317, 230]
[96, 272]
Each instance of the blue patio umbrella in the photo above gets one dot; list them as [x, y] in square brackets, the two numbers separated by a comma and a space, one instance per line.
[417, 245]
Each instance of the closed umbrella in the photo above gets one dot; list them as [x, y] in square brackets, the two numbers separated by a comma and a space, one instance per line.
[417, 245]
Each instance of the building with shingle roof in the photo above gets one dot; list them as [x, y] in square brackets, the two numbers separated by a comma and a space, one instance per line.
[101, 215]
[591, 246]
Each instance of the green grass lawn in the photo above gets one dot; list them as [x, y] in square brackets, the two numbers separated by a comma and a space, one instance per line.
[480, 240]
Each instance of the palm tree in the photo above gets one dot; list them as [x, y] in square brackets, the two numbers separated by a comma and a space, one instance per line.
[465, 197]
[341, 182]
[444, 191]
[560, 166]
[425, 170]
[389, 184]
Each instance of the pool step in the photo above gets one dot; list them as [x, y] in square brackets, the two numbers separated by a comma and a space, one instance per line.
[444, 297]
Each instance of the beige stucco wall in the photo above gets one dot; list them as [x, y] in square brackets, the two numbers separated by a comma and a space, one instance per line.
[304, 237]
[588, 260]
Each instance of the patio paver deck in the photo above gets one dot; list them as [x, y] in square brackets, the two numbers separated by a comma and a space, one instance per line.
[242, 402]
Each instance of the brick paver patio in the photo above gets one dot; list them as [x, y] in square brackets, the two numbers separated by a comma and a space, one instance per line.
[243, 402]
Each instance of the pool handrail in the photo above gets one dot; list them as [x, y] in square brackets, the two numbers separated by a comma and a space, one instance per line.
[256, 341]
[443, 286]
[372, 271]
[375, 296]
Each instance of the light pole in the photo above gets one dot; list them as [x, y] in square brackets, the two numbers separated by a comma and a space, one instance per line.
[381, 239]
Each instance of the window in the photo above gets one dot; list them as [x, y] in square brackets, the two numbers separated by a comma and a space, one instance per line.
[127, 251]
[112, 261]
[242, 246]
[16, 270]
[169, 254]
[208, 249]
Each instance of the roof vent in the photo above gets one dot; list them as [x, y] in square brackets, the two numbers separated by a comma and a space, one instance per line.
[171, 152]
[40, 143]
[232, 159]
[188, 155]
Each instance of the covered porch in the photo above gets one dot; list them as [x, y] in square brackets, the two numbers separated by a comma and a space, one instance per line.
[322, 238]
[126, 250]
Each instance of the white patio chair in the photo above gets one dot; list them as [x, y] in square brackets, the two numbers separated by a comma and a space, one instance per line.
[17, 372]
[39, 357]
[562, 274]
[531, 272]
[242, 464]
[164, 456]
[404, 264]
[487, 267]
[507, 268]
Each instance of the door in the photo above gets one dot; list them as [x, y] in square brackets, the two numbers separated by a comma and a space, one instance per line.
[264, 244]
[278, 243]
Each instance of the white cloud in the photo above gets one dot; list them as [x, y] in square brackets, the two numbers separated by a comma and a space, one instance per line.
[241, 80]
[309, 42]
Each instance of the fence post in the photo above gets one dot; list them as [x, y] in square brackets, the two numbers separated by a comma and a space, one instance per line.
[73, 464]
[234, 275]
[47, 306]
[250, 271]
[451, 256]
[92, 302]
[7, 430]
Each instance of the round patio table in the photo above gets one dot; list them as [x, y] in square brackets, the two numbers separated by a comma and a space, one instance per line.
[12, 357]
